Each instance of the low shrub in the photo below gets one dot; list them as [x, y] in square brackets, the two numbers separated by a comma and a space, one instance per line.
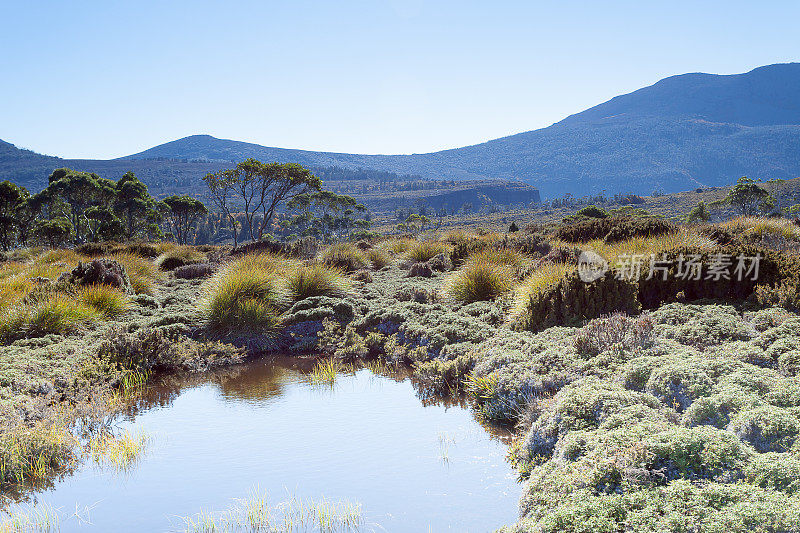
[766, 428]
[476, 282]
[179, 256]
[344, 256]
[422, 270]
[613, 229]
[544, 300]
[617, 331]
[196, 270]
[440, 263]
[306, 281]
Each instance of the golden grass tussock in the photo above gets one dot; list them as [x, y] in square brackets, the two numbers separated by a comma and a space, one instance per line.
[761, 227]
[118, 452]
[537, 282]
[645, 246]
[421, 251]
[344, 255]
[246, 295]
[142, 272]
[396, 246]
[475, 282]
[379, 258]
[316, 279]
[497, 256]
[106, 300]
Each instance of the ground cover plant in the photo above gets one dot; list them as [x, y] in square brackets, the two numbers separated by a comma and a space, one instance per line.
[639, 404]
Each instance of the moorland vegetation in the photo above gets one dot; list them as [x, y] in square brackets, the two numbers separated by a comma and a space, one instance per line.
[642, 400]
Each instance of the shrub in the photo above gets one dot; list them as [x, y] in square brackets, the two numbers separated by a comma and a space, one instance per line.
[478, 282]
[544, 301]
[306, 281]
[422, 251]
[617, 331]
[98, 272]
[106, 300]
[614, 229]
[179, 256]
[245, 296]
[529, 243]
[197, 270]
[677, 386]
[464, 246]
[344, 256]
[766, 428]
[378, 258]
[592, 211]
[142, 249]
[440, 263]
[422, 270]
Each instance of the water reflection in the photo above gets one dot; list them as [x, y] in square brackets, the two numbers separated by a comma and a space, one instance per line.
[412, 465]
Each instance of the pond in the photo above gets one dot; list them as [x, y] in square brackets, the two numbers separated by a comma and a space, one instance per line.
[265, 427]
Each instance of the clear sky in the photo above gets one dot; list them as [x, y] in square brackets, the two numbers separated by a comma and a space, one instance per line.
[103, 79]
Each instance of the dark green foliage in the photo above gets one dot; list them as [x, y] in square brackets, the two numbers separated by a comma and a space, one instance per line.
[592, 211]
[699, 213]
[572, 300]
[774, 268]
[613, 229]
[183, 215]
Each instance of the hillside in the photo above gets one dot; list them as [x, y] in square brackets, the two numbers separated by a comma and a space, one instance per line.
[686, 131]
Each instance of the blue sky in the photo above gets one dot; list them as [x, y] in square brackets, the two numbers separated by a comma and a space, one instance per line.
[107, 79]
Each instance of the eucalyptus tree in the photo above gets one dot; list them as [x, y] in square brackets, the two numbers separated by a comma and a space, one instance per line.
[12, 199]
[183, 214]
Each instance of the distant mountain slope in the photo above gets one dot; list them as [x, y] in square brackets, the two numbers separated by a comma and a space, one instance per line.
[682, 132]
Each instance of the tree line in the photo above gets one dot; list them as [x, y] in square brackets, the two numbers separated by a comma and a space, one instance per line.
[253, 201]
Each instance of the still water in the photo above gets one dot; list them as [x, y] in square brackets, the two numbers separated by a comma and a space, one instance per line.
[411, 465]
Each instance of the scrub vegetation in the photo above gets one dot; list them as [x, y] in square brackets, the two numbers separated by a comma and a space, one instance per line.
[642, 400]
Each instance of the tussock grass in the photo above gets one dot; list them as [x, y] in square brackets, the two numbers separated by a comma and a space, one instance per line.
[780, 227]
[108, 301]
[396, 246]
[142, 272]
[345, 256]
[117, 452]
[39, 518]
[476, 282]
[316, 279]
[245, 295]
[536, 283]
[422, 251]
[378, 258]
[179, 256]
[494, 256]
[32, 452]
[68, 257]
[58, 313]
[614, 252]
[325, 371]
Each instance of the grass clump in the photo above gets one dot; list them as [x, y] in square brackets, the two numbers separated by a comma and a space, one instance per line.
[179, 256]
[246, 295]
[59, 313]
[142, 272]
[306, 281]
[345, 256]
[476, 282]
[118, 452]
[108, 301]
[422, 251]
[378, 258]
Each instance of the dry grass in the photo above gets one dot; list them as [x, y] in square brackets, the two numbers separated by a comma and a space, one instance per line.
[645, 246]
[142, 272]
[478, 282]
[422, 251]
[316, 279]
[378, 258]
[179, 256]
[108, 301]
[761, 227]
[537, 282]
[345, 256]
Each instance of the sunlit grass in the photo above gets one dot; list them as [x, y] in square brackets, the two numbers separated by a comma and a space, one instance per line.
[345, 256]
[378, 258]
[476, 282]
[38, 518]
[316, 279]
[108, 301]
[118, 452]
[646, 246]
[245, 295]
[58, 313]
[142, 272]
[293, 515]
[422, 251]
[326, 371]
[781, 227]
[537, 282]
[396, 246]
[177, 256]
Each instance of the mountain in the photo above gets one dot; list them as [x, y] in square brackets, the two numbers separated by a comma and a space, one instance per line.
[683, 132]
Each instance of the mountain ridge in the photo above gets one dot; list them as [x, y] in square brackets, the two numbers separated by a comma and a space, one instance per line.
[684, 131]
